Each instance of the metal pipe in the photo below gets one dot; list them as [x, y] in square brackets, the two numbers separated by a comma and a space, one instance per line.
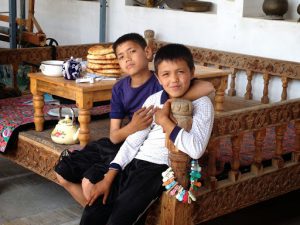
[22, 9]
[12, 24]
[102, 29]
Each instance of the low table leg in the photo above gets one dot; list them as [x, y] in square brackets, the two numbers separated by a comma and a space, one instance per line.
[84, 119]
[38, 104]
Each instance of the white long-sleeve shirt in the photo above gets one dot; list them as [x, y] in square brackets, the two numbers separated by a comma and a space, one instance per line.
[149, 144]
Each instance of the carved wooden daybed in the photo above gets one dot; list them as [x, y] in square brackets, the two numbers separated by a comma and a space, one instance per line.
[272, 167]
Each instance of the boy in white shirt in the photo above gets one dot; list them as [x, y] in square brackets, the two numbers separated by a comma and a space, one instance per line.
[134, 180]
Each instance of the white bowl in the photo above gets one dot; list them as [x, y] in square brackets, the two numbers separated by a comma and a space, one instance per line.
[52, 68]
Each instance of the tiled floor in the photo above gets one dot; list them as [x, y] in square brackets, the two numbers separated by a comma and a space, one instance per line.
[28, 199]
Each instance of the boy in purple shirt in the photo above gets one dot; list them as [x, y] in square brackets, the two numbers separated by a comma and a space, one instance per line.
[79, 171]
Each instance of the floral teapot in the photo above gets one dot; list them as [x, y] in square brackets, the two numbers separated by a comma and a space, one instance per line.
[65, 132]
[71, 69]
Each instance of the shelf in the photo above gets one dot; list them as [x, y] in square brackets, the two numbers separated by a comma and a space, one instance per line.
[164, 7]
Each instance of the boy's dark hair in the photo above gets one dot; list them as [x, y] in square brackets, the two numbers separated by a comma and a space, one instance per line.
[130, 37]
[173, 52]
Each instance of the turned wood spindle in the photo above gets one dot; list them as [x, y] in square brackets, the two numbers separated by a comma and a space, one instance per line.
[265, 97]
[84, 118]
[38, 104]
[149, 37]
[259, 136]
[234, 174]
[174, 212]
[284, 81]
[296, 155]
[248, 94]
[212, 147]
[232, 91]
[279, 133]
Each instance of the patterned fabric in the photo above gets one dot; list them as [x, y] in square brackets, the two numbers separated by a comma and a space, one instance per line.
[14, 113]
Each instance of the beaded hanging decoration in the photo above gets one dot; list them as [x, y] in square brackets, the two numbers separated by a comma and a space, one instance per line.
[175, 189]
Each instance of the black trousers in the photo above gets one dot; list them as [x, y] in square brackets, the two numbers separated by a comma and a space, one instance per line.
[133, 190]
[91, 162]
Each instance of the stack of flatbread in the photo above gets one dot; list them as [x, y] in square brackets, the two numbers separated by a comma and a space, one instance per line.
[102, 61]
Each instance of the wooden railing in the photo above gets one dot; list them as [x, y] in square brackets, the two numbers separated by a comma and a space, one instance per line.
[254, 121]
[219, 196]
[239, 64]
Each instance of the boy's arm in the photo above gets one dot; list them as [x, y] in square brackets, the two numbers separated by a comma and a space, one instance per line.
[141, 119]
[129, 149]
[199, 88]
[195, 141]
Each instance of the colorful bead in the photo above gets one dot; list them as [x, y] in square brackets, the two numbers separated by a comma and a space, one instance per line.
[174, 189]
[168, 181]
[185, 197]
[169, 186]
[180, 195]
[192, 196]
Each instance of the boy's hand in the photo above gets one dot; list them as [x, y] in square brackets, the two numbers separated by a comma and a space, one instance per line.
[165, 118]
[100, 188]
[142, 118]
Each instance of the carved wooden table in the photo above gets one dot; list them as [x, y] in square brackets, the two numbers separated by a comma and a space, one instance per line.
[85, 94]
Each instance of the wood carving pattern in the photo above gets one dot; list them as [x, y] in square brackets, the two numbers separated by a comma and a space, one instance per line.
[35, 158]
[245, 62]
[255, 118]
[77, 51]
[31, 55]
[235, 196]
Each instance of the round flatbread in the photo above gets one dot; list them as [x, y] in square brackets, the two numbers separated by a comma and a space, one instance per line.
[96, 66]
[100, 72]
[93, 65]
[108, 71]
[100, 50]
[103, 61]
[107, 56]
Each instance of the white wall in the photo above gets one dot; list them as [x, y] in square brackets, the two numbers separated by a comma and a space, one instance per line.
[227, 29]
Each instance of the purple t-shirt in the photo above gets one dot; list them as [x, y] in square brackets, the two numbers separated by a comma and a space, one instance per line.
[126, 100]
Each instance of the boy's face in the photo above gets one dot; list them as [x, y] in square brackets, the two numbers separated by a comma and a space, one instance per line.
[175, 77]
[132, 58]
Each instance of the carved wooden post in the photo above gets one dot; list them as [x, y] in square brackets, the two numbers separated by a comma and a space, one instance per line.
[277, 159]
[149, 37]
[174, 212]
[284, 81]
[212, 147]
[234, 174]
[248, 94]
[232, 91]
[259, 136]
[265, 97]
[296, 156]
